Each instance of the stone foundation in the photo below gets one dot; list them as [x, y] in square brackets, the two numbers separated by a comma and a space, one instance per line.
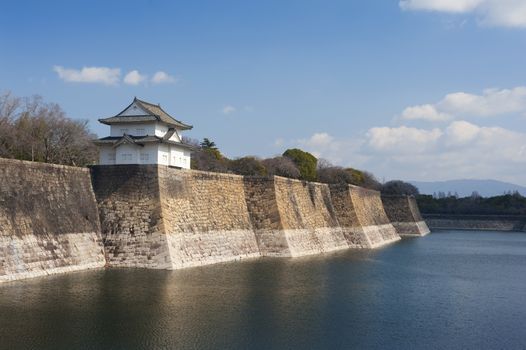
[405, 216]
[48, 220]
[205, 217]
[293, 218]
[362, 217]
[163, 218]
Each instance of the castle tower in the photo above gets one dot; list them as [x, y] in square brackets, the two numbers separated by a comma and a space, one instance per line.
[143, 133]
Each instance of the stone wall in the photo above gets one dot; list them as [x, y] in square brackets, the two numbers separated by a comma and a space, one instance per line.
[293, 218]
[205, 217]
[348, 218]
[372, 217]
[159, 217]
[362, 217]
[476, 222]
[48, 220]
[130, 213]
[405, 216]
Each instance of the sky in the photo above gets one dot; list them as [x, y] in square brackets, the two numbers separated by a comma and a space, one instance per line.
[406, 89]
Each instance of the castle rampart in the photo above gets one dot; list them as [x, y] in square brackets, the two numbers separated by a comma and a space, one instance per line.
[405, 216]
[54, 219]
[48, 220]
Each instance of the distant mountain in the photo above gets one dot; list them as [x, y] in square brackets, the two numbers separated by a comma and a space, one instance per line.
[464, 188]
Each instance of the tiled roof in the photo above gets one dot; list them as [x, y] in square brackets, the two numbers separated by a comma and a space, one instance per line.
[138, 140]
[154, 113]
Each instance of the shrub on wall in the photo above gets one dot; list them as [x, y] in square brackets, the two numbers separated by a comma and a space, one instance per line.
[305, 162]
[397, 187]
[281, 166]
[249, 166]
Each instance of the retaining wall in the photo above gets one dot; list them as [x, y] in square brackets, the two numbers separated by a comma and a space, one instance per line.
[48, 220]
[159, 217]
[476, 222]
[130, 214]
[292, 217]
[362, 217]
[405, 216]
[205, 217]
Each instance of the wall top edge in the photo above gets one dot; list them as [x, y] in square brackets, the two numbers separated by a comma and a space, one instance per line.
[42, 164]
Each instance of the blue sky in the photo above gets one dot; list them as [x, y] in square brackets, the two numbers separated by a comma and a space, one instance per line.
[411, 89]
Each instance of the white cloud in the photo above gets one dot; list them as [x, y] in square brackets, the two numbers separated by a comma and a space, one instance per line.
[103, 75]
[402, 139]
[506, 13]
[340, 151]
[161, 77]
[458, 150]
[424, 112]
[228, 109]
[134, 78]
[461, 132]
[492, 102]
[455, 6]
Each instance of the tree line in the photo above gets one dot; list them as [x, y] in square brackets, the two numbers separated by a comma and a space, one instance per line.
[506, 204]
[31, 129]
[293, 163]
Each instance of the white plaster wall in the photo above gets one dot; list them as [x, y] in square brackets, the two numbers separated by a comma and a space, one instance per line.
[186, 159]
[148, 154]
[163, 154]
[136, 129]
[179, 158]
[106, 155]
[160, 129]
[175, 137]
[127, 154]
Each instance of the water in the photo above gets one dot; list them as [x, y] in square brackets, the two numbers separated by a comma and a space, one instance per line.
[449, 290]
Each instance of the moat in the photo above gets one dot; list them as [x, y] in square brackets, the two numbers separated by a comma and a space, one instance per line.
[448, 290]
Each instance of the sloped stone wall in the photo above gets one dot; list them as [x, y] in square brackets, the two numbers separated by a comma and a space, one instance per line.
[130, 213]
[308, 217]
[345, 210]
[48, 220]
[205, 217]
[405, 216]
[372, 217]
[159, 217]
[293, 218]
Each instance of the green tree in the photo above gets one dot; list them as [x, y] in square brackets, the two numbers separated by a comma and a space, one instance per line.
[208, 144]
[398, 187]
[305, 162]
[207, 157]
[248, 166]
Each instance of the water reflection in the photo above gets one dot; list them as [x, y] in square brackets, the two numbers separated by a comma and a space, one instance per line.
[447, 290]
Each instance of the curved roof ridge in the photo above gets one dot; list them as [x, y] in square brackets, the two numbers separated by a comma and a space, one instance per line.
[153, 110]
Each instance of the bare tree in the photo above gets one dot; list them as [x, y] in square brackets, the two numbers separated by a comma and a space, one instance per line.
[281, 166]
[31, 129]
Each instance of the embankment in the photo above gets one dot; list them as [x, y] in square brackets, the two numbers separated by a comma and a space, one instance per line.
[362, 217]
[405, 216]
[372, 217]
[48, 220]
[476, 222]
[55, 218]
[159, 217]
[206, 218]
[292, 217]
